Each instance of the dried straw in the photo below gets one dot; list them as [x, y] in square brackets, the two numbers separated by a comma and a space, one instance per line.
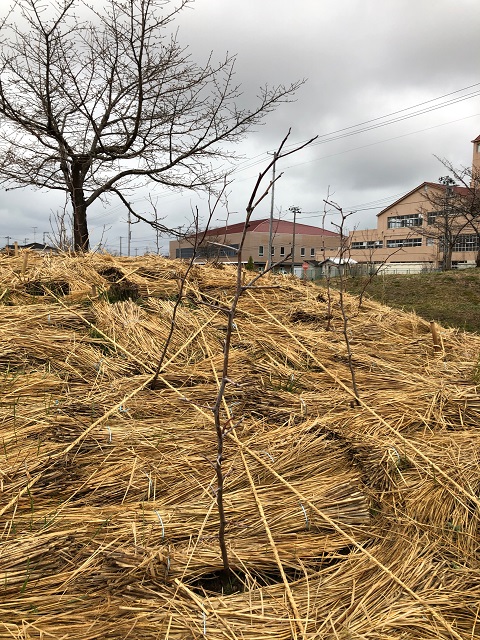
[344, 520]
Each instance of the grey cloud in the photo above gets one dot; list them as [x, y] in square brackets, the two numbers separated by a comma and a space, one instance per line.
[362, 60]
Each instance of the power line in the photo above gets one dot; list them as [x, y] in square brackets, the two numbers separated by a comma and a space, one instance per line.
[342, 133]
[420, 104]
[400, 204]
[372, 144]
[400, 119]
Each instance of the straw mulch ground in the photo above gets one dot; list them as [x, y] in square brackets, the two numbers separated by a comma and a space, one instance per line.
[345, 520]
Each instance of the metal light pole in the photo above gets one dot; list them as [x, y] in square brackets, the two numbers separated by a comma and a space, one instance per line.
[270, 229]
[294, 210]
[157, 232]
[129, 236]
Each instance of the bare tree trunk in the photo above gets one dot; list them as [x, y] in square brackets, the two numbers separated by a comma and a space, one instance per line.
[447, 259]
[80, 230]
[221, 433]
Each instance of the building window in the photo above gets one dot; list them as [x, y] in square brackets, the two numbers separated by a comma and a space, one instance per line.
[185, 253]
[368, 244]
[229, 252]
[260, 250]
[430, 242]
[405, 242]
[412, 220]
[282, 252]
[273, 251]
[211, 250]
[312, 253]
[466, 242]
[432, 216]
[302, 252]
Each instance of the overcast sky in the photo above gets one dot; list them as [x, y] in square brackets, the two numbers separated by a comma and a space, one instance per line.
[362, 60]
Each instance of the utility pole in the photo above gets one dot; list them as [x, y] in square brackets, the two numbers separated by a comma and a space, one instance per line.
[25, 240]
[272, 203]
[136, 252]
[44, 236]
[157, 231]
[7, 238]
[129, 240]
[34, 233]
[121, 238]
[294, 210]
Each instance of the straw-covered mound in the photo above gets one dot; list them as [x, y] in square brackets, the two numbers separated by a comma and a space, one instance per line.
[347, 519]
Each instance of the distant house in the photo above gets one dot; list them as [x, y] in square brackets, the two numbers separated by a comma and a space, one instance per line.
[333, 267]
[409, 233]
[221, 244]
[33, 246]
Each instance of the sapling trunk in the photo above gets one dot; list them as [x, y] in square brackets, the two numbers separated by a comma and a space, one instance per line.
[223, 428]
[343, 262]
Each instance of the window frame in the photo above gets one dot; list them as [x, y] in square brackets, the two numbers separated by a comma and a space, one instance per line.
[405, 221]
[366, 244]
[400, 243]
[466, 242]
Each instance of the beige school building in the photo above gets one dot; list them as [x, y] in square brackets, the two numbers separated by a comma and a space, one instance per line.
[408, 233]
[221, 244]
[407, 237]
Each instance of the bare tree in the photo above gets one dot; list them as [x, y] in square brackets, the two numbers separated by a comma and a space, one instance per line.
[61, 225]
[465, 203]
[453, 212]
[327, 274]
[224, 422]
[343, 265]
[97, 107]
[373, 267]
[196, 237]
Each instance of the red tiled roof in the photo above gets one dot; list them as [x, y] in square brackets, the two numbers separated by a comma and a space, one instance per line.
[263, 225]
[461, 191]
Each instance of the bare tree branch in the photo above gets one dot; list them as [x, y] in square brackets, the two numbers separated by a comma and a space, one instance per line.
[105, 105]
